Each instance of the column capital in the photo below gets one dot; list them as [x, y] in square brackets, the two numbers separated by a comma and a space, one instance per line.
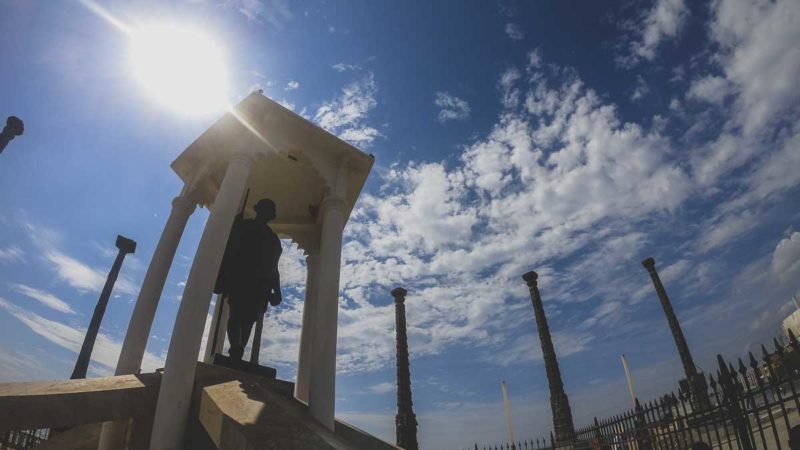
[183, 203]
[399, 294]
[530, 278]
[649, 264]
[332, 201]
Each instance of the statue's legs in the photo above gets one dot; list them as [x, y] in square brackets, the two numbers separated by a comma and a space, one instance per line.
[240, 324]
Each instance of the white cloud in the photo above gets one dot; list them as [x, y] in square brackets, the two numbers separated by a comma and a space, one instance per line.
[45, 298]
[82, 277]
[711, 89]
[641, 89]
[345, 115]
[452, 107]
[510, 93]
[559, 173]
[534, 59]
[343, 67]
[758, 42]
[12, 254]
[287, 104]
[514, 31]
[382, 388]
[274, 12]
[21, 366]
[786, 258]
[722, 229]
[106, 350]
[291, 85]
[663, 21]
[68, 269]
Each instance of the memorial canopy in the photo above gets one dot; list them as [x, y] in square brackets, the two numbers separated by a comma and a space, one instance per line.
[314, 178]
[297, 162]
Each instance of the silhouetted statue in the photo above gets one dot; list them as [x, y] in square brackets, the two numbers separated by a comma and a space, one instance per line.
[14, 127]
[249, 274]
[794, 438]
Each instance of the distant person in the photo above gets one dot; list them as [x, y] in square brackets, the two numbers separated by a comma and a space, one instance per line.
[700, 445]
[251, 274]
[794, 438]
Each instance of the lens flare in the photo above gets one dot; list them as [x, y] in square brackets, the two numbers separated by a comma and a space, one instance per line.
[181, 68]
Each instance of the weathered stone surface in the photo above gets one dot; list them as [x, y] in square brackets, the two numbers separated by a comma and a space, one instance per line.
[247, 414]
[65, 404]
[230, 410]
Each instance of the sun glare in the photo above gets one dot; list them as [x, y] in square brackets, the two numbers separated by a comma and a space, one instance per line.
[181, 68]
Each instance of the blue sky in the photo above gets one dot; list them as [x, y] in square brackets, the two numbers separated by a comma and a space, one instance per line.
[571, 138]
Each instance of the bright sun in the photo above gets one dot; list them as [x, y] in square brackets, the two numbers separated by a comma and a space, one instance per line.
[181, 68]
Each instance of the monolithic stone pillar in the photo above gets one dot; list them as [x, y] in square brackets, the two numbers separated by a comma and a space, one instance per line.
[559, 403]
[307, 331]
[174, 397]
[135, 343]
[125, 246]
[405, 421]
[697, 386]
[14, 127]
[133, 347]
[322, 385]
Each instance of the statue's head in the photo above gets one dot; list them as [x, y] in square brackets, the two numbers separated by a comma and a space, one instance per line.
[265, 209]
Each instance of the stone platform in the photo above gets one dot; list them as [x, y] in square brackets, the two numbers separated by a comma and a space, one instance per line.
[231, 409]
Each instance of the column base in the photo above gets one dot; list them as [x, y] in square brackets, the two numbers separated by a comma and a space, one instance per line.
[244, 366]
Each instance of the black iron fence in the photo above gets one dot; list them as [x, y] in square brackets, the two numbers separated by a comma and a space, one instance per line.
[22, 439]
[748, 405]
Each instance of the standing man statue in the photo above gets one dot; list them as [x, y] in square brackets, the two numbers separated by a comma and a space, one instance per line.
[250, 271]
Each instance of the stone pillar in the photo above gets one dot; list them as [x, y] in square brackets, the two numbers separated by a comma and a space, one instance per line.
[174, 397]
[559, 403]
[135, 343]
[125, 246]
[697, 387]
[14, 127]
[133, 347]
[307, 330]
[322, 385]
[405, 421]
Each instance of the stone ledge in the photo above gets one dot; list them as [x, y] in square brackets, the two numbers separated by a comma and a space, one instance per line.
[69, 403]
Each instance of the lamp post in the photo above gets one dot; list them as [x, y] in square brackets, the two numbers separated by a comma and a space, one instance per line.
[125, 246]
[14, 127]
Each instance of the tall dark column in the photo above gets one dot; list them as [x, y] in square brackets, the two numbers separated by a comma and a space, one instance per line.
[697, 385]
[14, 127]
[125, 246]
[406, 421]
[559, 403]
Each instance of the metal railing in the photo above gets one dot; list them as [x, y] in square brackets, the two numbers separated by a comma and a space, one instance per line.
[749, 405]
[22, 439]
